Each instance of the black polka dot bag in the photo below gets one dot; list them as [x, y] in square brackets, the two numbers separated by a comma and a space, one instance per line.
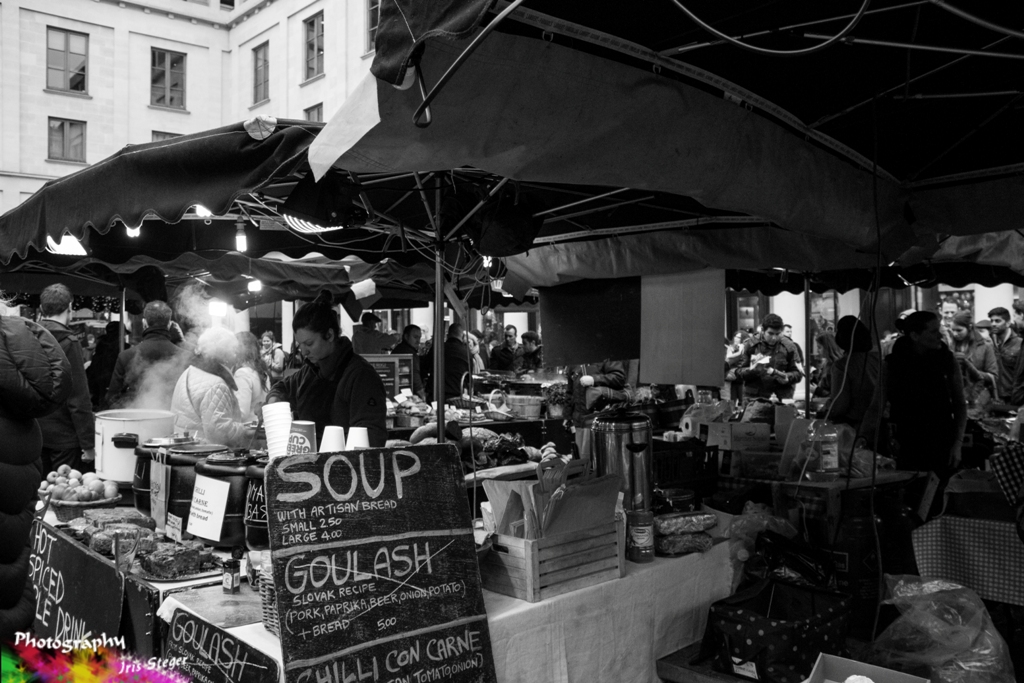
[774, 631]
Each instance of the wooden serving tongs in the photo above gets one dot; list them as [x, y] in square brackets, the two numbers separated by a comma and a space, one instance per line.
[125, 557]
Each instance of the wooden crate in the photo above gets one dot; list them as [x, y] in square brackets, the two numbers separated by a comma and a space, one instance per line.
[543, 568]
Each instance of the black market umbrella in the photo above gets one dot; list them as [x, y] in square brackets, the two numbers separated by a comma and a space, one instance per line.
[809, 136]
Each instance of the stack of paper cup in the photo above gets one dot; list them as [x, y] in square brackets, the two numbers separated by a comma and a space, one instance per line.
[358, 437]
[333, 439]
[277, 422]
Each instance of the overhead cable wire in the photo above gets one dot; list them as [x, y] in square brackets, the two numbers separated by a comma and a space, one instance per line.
[977, 20]
[778, 53]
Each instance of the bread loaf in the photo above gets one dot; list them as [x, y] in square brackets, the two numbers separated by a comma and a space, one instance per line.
[678, 544]
[683, 522]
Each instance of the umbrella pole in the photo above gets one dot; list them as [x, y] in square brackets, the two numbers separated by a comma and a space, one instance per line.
[807, 346]
[438, 345]
[124, 314]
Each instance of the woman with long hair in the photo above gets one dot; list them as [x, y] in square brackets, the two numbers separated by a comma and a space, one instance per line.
[854, 379]
[830, 353]
[336, 386]
[251, 375]
[978, 363]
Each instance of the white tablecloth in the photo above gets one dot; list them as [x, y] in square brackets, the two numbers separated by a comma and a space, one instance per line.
[613, 632]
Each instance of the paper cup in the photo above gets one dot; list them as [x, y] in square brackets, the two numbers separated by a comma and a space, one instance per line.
[358, 437]
[302, 438]
[281, 408]
[278, 429]
[333, 440]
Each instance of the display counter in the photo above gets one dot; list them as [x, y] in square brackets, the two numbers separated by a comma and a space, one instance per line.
[534, 432]
[82, 591]
[613, 631]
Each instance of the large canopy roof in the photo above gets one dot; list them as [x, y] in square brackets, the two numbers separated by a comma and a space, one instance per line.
[635, 140]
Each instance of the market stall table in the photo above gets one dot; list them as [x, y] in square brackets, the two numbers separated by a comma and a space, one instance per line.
[985, 555]
[819, 502]
[614, 631]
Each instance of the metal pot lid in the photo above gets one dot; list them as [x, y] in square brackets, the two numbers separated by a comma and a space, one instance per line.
[227, 457]
[200, 449]
[172, 440]
[621, 421]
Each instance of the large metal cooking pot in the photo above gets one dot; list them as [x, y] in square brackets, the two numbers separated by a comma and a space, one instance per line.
[622, 445]
[143, 456]
[118, 432]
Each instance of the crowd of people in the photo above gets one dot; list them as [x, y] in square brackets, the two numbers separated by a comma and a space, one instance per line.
[919, 385]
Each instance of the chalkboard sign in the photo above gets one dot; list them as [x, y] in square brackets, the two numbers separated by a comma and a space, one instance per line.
[375, 567]
[78, 592]
[395, 371]
[204, 652]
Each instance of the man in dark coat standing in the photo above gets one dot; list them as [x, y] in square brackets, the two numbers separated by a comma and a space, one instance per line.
[456, 361]
[68, 436]
[410, 344]
[508, 356]
[145, 375]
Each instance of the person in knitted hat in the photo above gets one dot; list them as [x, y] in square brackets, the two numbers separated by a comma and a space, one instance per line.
[977, 358]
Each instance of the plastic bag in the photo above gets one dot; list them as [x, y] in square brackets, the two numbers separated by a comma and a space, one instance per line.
[943, 629]
[743, 531]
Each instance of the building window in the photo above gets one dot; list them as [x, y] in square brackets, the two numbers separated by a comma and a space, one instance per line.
[261, 73]
[314, 46]
[66, 140]
[159, 135]
[372, 17]
[167, 79]
[67, 59]
[315, 113]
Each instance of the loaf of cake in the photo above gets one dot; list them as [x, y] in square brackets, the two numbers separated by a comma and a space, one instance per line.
[102, 541]
[103, 516]
[171, 561]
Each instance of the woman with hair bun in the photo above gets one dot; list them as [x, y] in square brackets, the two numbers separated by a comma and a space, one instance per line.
[335, 386]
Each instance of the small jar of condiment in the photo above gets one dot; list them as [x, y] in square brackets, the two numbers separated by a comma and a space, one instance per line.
[640, 536]
[232, 579]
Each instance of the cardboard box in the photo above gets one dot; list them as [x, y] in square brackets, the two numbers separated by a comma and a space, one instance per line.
[833, 669]
[739, 436]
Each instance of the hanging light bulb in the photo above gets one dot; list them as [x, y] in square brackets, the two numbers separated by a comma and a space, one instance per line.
[133, 232]
[218, 309]
[241, 243]
[254, 286]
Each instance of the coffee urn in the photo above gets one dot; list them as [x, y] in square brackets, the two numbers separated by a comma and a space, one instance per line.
[622, 445]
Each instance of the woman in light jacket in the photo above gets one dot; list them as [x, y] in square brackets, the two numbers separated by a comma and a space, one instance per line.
[204, 398]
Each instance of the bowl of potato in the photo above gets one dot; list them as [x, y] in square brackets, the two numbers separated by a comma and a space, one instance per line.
[72, 492]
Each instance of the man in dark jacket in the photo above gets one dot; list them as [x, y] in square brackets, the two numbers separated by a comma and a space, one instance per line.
[145, 375]
[592, 386]
[1007, 346]
[769, 364]
[68, 437]
[35, 379]
[508, 356]
[410, 344]
[533, 352]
